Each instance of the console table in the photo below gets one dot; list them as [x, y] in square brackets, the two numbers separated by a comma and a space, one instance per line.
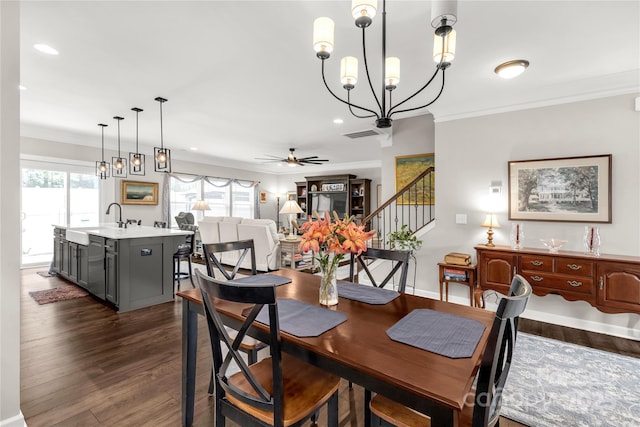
[610, 283]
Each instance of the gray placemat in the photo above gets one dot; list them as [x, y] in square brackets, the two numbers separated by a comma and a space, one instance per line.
[437, 332]
[366, 294]
[301, 319]
[262, 279]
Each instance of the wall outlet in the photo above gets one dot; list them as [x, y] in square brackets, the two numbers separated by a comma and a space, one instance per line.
[461, 218]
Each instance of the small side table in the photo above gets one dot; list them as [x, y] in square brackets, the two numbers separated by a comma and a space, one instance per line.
[449, 273]
[288, 251]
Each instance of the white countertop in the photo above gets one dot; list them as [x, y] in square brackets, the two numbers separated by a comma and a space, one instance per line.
[111, 231]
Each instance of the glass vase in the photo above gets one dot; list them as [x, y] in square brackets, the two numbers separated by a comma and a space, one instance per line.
[517, 236]
[328, 286]
[592, 240]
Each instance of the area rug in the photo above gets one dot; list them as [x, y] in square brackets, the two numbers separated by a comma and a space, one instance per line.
[61, 293]
[553, 383]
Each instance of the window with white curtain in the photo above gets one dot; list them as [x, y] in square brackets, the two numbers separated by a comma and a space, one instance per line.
[225, 196]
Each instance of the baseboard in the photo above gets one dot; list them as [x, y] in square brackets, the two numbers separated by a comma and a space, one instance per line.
[15, 421]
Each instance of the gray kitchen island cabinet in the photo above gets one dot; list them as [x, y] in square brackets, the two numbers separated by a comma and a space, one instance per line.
[129, 268]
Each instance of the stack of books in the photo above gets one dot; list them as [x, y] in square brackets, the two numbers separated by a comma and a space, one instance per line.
[455, 274]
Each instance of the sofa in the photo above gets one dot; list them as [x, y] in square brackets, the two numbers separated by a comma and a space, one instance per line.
[263, 232]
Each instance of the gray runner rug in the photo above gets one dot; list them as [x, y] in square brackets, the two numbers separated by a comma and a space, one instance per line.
[553, 383]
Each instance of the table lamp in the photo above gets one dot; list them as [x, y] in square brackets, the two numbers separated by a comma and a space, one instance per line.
[200, 205]
[292, 208]
[490, 221]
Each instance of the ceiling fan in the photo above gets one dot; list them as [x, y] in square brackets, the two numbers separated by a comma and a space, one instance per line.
[292, 161]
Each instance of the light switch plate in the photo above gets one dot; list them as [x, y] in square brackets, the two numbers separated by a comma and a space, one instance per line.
[461, 218]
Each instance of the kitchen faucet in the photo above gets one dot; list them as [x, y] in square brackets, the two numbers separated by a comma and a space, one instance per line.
[120, 223]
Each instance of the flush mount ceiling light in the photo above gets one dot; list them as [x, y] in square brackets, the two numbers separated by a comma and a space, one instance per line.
[44, 48]
[443, 17]
[136, 160]
[119, 163]
[102, 167]
[162, 155]
[511, 69]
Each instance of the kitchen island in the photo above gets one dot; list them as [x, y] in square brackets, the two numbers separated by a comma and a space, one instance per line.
[128, 267]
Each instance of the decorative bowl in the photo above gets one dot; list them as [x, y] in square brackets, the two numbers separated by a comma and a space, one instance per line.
[553, 244]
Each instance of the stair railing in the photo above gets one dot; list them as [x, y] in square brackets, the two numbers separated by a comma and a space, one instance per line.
[413, 205]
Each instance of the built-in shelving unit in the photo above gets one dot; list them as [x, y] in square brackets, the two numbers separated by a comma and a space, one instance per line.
[344, 194]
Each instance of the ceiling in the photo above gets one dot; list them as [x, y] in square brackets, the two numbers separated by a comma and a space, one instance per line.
[242, 80]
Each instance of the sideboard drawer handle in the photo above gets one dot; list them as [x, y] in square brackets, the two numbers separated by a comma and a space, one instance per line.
[537, 278]
[574, 266]
[537, 263]
[574, 283]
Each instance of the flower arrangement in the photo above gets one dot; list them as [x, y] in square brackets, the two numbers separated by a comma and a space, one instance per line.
[331, 240]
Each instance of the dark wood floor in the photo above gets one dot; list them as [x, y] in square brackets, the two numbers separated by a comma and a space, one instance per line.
[82, 364]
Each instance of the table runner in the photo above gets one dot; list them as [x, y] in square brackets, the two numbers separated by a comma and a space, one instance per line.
[366, 294]
[263, 279]
[441, 333]
[301, 319]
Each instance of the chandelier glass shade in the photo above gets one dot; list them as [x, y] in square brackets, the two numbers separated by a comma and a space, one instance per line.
[443, 17]
[102, 167]
[162, 155]
[136, 159]
[119, 163]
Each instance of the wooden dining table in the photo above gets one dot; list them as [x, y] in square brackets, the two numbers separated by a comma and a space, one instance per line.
[358, 350]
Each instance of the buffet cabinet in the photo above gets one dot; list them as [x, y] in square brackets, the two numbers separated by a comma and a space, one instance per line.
[610, 283]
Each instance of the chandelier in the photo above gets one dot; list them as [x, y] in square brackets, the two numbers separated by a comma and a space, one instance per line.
[443, 17]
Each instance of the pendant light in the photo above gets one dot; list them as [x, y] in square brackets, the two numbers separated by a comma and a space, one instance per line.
[102, 167]
[119, 163]
[162, 155]
[136, 160]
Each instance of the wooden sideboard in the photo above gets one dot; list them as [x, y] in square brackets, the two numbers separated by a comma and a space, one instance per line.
[611, 283]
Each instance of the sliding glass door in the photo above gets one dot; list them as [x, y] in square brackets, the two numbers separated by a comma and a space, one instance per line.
[54, 194]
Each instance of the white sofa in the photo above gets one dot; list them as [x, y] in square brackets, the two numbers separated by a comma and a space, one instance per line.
[228, 229]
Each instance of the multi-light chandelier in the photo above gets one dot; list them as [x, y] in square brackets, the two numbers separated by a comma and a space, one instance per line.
[443, 17]
[136, 159]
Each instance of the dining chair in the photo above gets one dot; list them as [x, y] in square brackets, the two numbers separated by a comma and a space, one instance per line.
[212, 255]
[398, 258]
[494, 368]
[280, 390]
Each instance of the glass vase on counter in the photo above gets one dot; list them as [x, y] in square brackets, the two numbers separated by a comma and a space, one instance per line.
[592, 240]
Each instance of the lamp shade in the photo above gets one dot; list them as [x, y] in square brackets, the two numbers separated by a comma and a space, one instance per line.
[200, 205]
[364, 8]
[291, 207]
[323, 35]
[349, 70]
[392, 77]
[449, 47]
[490, 221]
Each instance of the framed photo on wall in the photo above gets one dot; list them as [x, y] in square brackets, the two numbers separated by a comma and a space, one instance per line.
[409, 168]
[139, 193]
[570, 189]
[263, 197]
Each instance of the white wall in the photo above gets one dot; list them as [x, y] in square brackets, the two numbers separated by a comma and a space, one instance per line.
[473, 152]
[10, 415]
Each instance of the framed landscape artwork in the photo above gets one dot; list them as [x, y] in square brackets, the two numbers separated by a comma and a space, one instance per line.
[571, 189]
[407, 169]
[139, 193]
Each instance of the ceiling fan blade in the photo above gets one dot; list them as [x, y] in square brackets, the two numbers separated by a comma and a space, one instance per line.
[307, 158]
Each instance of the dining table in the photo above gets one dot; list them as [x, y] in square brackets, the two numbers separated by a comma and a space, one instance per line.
[360, 348]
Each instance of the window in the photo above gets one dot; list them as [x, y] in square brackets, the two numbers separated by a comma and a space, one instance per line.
[225, 197]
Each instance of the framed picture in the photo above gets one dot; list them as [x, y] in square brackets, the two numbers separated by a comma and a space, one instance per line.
[139, 193]
[263, 197]
[407, 169]
[570, 189]
[291, 195]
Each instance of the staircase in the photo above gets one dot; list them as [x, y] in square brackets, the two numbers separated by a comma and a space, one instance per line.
[413, 205]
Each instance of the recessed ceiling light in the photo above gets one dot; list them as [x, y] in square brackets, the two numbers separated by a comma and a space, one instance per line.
[338, 121]
[45, 48]
[22, 87]
[511, 69]
[193, 148]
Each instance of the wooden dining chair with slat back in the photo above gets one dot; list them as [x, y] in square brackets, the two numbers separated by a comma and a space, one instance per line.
[487, 399]
[363, 262]
[280, 390]
[213, 253]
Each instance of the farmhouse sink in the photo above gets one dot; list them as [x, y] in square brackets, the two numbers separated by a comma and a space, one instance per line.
[77, 236]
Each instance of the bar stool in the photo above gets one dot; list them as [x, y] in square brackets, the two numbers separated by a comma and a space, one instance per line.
[184, 253]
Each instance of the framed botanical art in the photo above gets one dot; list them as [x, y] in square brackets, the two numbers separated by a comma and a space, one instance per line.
[139, 193]
[409, 168]
[263, 197]
[570, 189]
